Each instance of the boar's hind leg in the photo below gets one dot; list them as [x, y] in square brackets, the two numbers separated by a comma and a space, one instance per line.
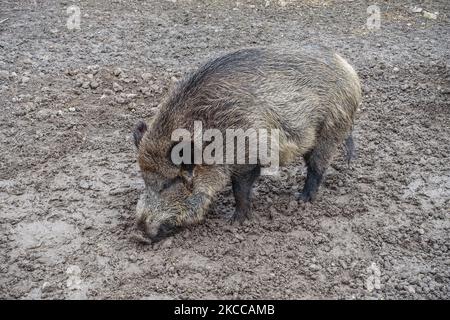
[349, 146]
[242, 184]
[317, 161]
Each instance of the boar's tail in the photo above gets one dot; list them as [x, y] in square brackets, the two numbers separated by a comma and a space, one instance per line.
[349, 146]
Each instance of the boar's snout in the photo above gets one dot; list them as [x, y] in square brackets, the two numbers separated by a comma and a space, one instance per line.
[155, 218]
[157, 233]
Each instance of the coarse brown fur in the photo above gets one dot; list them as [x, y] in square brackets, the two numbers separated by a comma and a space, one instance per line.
[310, 95]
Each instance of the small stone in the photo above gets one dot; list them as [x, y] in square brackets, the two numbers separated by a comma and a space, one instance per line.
[24, 79]
[155, 88]
[239, 237]
[421, 231]
[396, 69]
[83, 184]
[47, 287]
[107, 92]
[4, 75]
[72, 109]
[166, 244]
[428, 152]
[85, 85]
[93, 69]
[314, 267]
[416, 10]
[94, 84]
[117, 72]
[117, 87]
[293, 204]
[43, 114]
[429, 15]
[146, 76]
[120, 100]
[73, 283]
[79, 83]
[27, 61]
[73, 72]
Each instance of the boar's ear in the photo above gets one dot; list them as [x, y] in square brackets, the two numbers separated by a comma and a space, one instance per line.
[139, 131]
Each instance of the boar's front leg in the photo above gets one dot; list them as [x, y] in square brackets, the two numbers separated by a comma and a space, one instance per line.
[208, 181]
[317, 161]
[242, 183]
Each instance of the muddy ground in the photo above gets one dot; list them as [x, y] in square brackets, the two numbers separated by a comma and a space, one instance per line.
[69, 180]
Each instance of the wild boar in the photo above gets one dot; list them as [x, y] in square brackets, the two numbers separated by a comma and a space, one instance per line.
[310, 95]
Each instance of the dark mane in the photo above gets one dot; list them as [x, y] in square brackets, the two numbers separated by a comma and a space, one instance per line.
[222, 65]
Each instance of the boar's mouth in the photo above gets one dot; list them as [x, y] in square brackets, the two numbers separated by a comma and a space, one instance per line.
[165, 230]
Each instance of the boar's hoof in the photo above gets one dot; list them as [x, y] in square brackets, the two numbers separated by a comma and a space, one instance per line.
[239, 216]
[306, 197]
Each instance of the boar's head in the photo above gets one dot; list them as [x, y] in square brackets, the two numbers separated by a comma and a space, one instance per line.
[161, 209]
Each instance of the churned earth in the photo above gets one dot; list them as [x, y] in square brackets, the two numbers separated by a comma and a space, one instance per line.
[69, 181]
